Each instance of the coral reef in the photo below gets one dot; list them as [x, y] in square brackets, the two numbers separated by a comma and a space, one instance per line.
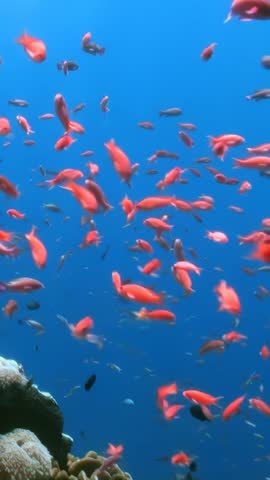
[22, 456]
[32, 443]
[22, 405]
[84, 469]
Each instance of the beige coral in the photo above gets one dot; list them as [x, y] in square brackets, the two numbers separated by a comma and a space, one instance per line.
[11, 372]
[23, 457]
[85, 468]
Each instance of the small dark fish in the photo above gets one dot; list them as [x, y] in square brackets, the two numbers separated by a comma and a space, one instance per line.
[171, 112]
[248, 270]
[197, 412]
[193, 466]
[146, 125]
[52, 207]
[178, 250]
[151, 171]
[79, 107]
[265, 61]
[265, 173]
[203, 160]
[197, 217]
[262, 94]
[42, 171]
[94, 48]
[17, 102]
[105, 253]
[33, 305]
[37, 326]
[165, 458]
[62, 260]
[67, 66]
[90, 382]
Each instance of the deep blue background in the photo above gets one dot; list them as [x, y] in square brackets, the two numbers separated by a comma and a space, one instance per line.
[152, 62]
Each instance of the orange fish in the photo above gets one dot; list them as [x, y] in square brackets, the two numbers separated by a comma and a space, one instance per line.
[135, 292]
[91, 238]
[64, 142]
[170, 411]
[150, 203]
[200, 397]
[5, 128]
[160, 315]
[142, 246]
[228, 298]
[66, 175]
[260, 405]
[233, 408]
[210, 345]
[24, 124]
[38, 250]
[15, 214]
[164, 391]
[150, 266]
[114, 449]
[262, 251]
[120, 161]
[182, 459]
[265, 352]
[233, 337]
[8, 188]
[245, 187]
[5, 236]
[81, 331]
[86, 198]
[157, 224]
[171, 177]
[207, 53]
[34, 48]
[82, 328]
[10, 308]
[76, 127]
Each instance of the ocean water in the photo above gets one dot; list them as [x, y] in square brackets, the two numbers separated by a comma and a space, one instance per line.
[152, 62]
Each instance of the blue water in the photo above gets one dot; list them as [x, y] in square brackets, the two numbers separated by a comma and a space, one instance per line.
[152, 62]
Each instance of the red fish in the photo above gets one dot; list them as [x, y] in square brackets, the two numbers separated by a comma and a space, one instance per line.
[5, 128]
[8, 188]
[232, 408]
[34, 48]
[228, 298]
[121, 161]
[135, 292]
[38, 250]
[24, 124]
[200, 397]
[249, 10]
[207, 53]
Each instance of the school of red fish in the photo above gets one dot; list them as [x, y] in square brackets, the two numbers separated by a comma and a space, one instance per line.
[91, 198]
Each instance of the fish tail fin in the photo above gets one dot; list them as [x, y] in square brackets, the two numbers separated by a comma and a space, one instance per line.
[229, 17]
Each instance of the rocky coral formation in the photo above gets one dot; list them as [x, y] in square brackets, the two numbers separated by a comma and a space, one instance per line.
[84, 469]
[32, 445]
[22, 456]
[22, 405]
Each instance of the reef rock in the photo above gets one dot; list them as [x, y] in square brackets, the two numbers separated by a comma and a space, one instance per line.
[23, 405]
